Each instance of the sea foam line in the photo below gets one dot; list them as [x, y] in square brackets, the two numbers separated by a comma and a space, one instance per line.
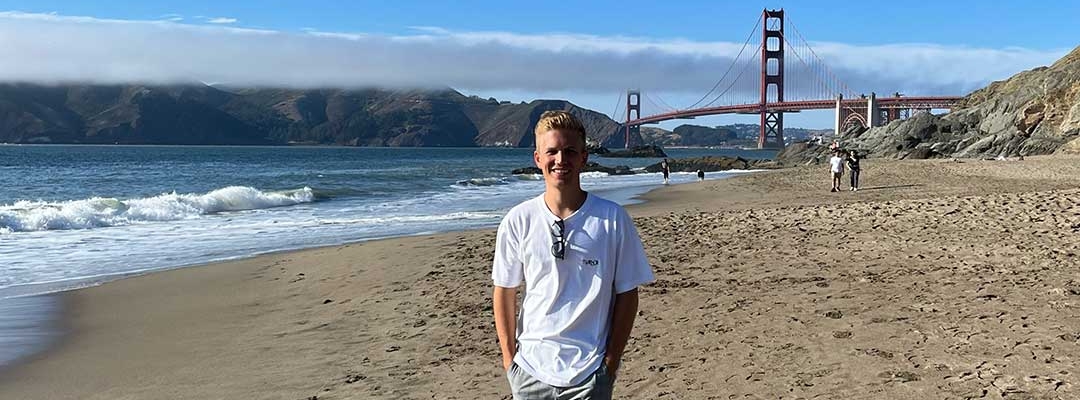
[96, 212]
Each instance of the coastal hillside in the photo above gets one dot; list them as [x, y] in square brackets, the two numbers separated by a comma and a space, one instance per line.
[1033, 112]
[200, 114]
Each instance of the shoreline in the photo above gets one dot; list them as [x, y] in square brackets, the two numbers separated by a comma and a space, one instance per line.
[403, 317]
[55, 295]
[625, 195]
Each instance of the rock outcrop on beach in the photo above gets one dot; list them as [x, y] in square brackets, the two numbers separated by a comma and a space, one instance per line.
[589, 167]
[201, 114]
[1033, 112]
[710, 164]
[803, 153]
[594, 148]
[647, 151]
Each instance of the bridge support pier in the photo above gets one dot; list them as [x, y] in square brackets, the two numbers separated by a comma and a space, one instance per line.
[841, 116]
[633, 111]
[772, 130]
[873, 112]
[772, 77]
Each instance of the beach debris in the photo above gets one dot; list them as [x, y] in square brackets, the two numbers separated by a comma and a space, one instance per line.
[353, 378]
[841, 334]
[899, 376]
[328, 301]
[877, 353]
[834, 314]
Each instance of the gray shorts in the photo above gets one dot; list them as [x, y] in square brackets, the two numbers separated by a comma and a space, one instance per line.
[524, 387]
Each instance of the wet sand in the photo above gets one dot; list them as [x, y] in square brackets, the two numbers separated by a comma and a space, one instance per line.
[937, 280]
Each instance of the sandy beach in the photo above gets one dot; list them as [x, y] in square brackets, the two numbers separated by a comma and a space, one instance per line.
[939, 279]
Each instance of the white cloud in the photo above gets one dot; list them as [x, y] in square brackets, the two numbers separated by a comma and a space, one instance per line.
[172, 17]
[54, 48]
[221, 20]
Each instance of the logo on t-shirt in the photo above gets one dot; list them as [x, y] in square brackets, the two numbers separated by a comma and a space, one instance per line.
[591, 263]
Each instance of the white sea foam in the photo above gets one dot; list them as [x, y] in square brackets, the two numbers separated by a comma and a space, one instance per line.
[416, 218]
[594, 175]
[27, 216]
[482, 182]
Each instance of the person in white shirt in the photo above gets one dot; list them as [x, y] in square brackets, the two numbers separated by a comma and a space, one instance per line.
[581, 260]
[836, 166]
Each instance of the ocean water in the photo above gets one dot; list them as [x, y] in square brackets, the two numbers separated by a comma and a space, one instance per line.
[73, 216]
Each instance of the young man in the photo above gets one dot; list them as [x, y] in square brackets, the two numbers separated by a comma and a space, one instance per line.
[836, 167]
[581, 261]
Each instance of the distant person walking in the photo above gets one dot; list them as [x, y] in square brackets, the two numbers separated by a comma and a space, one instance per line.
[700, 175]
[666, 170]
[836, 168]
[853, 168]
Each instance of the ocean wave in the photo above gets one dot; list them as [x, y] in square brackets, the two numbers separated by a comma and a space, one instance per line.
[97, 212]
[594, 175]
[482, 182]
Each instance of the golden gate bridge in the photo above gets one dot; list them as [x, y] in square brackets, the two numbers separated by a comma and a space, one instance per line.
[786, 62]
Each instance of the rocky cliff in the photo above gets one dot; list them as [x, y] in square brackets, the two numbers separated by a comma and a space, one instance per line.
[199, 114]
[1033, 112]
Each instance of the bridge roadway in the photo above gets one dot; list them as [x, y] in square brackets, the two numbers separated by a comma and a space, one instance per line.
[887, 103]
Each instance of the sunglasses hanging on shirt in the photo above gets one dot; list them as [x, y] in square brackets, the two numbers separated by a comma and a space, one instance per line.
[558, 241]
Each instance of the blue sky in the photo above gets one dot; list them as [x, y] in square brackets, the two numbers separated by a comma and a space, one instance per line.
[587, 53]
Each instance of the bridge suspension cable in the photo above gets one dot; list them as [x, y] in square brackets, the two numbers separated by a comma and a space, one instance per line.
[748, 66]
[661, 102]
[826, 81]
[734, 62]
[838, 86]
[618, 106]
[653, 104]
[737, 81]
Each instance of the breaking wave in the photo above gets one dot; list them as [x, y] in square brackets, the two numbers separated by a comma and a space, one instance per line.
[97, 212]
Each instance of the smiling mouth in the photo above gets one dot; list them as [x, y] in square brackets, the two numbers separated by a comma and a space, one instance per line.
[560, 171]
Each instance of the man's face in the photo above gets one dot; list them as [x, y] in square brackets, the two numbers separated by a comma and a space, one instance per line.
[561, 156]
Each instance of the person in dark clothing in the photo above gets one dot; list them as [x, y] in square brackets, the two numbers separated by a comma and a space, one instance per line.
[853, 166]
[700, 175]
[665, 169]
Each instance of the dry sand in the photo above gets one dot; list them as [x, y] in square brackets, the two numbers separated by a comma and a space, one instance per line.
[938, 280]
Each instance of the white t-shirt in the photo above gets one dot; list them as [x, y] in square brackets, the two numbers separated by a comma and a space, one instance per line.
[837, 164]
[566, 313]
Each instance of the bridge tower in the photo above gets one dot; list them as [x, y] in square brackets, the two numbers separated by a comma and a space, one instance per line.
[633, 111]
[772, 78]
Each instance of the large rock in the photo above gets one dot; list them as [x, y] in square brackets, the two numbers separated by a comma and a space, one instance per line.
[638, 151]
[594, 148]
[589, 167]
[1033, 112]
[712, 163]
[802, 153]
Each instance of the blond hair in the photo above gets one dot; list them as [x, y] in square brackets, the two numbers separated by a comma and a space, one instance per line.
[561, 120]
